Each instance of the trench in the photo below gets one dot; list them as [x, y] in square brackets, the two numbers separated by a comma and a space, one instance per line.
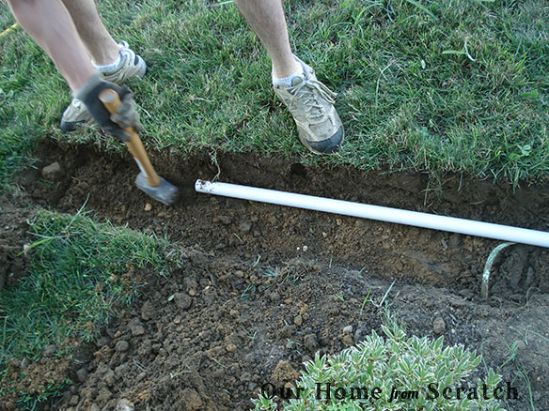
[104, 183]
[265, 284]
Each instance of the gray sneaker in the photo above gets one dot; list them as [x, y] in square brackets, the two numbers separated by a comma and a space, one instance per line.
[311, 104]
[131, 65]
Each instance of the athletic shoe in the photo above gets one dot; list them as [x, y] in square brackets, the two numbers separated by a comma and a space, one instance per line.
[130, 65]
[311, 104]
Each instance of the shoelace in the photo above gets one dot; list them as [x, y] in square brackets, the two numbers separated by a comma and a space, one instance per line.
[309, 93]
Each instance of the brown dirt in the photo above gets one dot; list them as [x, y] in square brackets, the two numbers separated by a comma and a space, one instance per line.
[12, 239]
[262, 287]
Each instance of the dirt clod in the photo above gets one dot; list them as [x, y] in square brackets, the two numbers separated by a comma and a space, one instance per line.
[136, 327]
[283, 373]
[310, 342]
[52, 172]
[122, 346]
[347, 339]
[191, 400]
[50, 350]
[147, 311]
[439, 326]
[245, 227]
[103, 341]
[82, 374]
[182, 300]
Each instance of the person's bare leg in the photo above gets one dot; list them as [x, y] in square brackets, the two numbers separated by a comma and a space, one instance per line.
[59, 40]
[309, 101]
[266, 17]
[102, 47]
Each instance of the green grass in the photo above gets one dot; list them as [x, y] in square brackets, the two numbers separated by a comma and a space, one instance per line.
[79, 271]
[436, 86]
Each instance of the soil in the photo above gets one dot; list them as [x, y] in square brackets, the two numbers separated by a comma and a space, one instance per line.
[263, 287]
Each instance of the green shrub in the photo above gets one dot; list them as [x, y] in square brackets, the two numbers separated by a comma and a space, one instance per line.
[365, 377]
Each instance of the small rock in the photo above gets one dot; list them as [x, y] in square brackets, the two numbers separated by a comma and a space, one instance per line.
[245, 227]
[274, 297]
[147, 311]
[439, 326]
[298, 320]
[360, 332]
[305, 248]
[347, 339]
[245, 377]
[50, 350]
[310, 342]
[324, 234]
[74, 400]
[82, 374]
[103, 341]
[230, 347]
[122, 346]
[109, 377]
[52, 172]
[226, 220]
[124, 405]
[192, 400]
[182, 300]
[348, 329]
[103, 396]
[136, 327]
[148, 207]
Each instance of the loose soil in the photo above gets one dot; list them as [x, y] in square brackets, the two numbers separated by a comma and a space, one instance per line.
[263, 287]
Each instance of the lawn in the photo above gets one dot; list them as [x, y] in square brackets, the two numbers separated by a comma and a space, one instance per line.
[436, 86]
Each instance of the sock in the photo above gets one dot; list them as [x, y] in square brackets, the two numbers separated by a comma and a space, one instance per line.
[106, 68]
[286, 82]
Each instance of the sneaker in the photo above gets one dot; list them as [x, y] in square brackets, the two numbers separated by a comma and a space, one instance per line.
[311, 104]
[131, 65]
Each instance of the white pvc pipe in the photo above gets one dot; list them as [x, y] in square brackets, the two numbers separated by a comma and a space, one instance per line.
[372, 212]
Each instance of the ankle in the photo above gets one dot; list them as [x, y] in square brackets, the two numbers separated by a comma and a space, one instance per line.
[286, 70]
[285, 80]
[111, 65]
[109, 57]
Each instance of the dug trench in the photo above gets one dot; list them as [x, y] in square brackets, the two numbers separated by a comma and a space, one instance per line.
[262, 288]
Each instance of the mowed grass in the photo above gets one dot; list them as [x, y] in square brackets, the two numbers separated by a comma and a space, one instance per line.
[80, 270]
[436, 86]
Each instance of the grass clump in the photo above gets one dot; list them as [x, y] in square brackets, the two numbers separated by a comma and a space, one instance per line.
[79, 270]
[365, 377]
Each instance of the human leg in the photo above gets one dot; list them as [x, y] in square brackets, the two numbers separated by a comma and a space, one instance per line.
[309, 101]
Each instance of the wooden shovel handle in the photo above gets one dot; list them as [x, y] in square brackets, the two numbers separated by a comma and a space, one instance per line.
[111, 101]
